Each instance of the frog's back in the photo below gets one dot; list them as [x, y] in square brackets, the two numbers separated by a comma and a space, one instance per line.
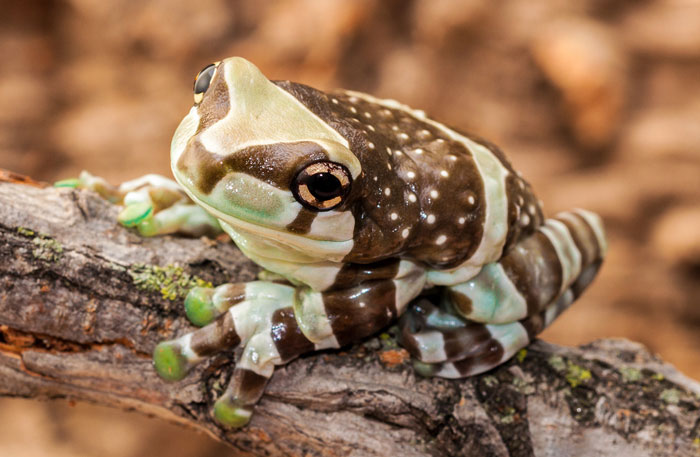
[429, 192]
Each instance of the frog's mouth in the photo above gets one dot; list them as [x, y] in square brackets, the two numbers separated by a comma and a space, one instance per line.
[311, 246]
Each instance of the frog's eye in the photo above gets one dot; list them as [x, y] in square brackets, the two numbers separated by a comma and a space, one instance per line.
[202, 81]
[322, 186]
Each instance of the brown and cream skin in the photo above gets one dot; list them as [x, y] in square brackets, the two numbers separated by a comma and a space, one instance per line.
[353, 206]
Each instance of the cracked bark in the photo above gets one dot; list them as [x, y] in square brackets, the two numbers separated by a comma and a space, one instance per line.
[77, 322]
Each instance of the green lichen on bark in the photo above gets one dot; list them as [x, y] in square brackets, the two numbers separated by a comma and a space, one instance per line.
[46, 248]
[171, 281]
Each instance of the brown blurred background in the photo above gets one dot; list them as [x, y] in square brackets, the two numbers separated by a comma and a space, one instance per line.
[596, 102]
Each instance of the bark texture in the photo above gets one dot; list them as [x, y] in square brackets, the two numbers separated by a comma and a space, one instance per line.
[84, 301]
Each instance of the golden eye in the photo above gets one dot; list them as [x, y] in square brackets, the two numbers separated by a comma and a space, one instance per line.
[322, 186]
[202, 81]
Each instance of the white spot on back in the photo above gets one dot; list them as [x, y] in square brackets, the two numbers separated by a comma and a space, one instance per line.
[411, 175]
[395, 128]
[405, 233]
[387, 191]
[434, 193]
[418, 151]
[370, 145]
[441, 239]
[353, 110]
[334, 100]
[370, 127]
[367, 115]
[462, 220]
[402, 136]
[452, 157]
[394, 216]
[430, 219]
[412, 197]
[444, 173]
[471, 199]
[524, 220]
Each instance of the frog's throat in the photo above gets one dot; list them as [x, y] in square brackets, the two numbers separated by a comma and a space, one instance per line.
[334, 251]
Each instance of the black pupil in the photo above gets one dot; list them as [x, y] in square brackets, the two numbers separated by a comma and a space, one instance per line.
[324, 186]
[201, 84]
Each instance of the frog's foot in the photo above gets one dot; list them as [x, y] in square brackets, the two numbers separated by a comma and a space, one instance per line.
[450, 346]
[257, 315]
[153, 204]
[94, 183]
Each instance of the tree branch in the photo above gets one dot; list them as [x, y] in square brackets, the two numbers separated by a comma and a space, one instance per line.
[83, 302]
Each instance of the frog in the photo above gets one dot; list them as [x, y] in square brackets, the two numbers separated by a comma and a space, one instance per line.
[363, 213]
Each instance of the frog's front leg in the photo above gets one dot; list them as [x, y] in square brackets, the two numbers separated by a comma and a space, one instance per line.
[153, 204]
[478, 324]
[276, 323]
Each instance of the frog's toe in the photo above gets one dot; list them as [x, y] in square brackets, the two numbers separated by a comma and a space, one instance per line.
[235, 406]
[135, 214]
[173, 359]
[199, 306]
[71, 183]
[230, 414]
[170, 362]
[204, 304]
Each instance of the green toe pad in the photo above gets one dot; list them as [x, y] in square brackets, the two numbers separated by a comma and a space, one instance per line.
[424, 369]
[229, 415]
[169, 362]
[73, 183]
[135, 213]
[199, 306]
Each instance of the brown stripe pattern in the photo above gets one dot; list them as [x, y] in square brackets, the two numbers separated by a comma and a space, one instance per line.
[215, 337]
[275, 164]
[456, 348]
[358, 312]
[287, 336]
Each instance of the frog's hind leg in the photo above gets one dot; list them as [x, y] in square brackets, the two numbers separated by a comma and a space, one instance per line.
[564, 253]
[449, 346]
[482, 322]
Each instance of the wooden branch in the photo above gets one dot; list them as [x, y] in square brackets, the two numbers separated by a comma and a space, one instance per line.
[83, 302]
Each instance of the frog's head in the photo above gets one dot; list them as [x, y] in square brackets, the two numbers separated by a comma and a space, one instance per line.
[261, 162]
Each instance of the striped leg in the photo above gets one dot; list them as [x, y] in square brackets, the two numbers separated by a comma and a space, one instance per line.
[565, 251]
[453, 347]
[482, 322]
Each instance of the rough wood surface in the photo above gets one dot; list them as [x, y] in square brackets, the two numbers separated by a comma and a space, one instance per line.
[82, 306]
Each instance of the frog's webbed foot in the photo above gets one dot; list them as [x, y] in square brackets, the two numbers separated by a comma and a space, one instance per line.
[257, 315]
[479, 324]
[153, 204]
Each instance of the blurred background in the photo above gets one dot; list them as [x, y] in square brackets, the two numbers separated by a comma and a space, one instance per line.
[596, 102]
